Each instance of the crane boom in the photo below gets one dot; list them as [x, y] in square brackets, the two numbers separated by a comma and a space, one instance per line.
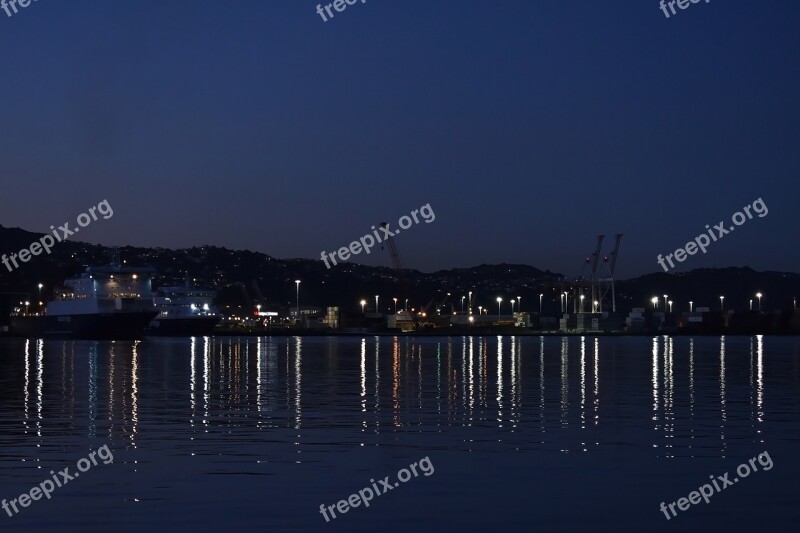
[596, 254]
[614, 253]
[393, 253]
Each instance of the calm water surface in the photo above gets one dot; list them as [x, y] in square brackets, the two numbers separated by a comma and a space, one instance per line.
[523, 433]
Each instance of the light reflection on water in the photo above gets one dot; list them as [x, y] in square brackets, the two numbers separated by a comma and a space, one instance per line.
[244, 404]
[272, 382]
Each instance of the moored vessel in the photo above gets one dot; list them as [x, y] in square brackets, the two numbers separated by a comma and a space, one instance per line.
[110, 302]
[184, 312]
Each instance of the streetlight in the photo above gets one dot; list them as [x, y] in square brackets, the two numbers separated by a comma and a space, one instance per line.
[512, 306]
[469, 303]
[654, 301]
[480, 309]
[566, 302]
[395, 305]
[665, 302]
[670, 306]
[499, 301]
[721, 303]
[406, 306]
[540, 303]
[462, 304]
[519, 304]
[40, 291]
[297, 281]
[751, 304]
[363, 303]
[258, 309]
[759, 295]
[690, 305]
[376, 304]
[582, 297]
[594, 307]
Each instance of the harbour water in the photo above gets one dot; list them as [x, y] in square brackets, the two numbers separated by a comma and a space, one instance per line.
[523, 433]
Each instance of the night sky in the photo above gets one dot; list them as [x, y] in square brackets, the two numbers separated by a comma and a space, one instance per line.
[529, 126]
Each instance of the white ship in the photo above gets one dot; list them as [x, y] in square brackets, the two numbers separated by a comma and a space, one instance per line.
[105, 302]
[184, 312]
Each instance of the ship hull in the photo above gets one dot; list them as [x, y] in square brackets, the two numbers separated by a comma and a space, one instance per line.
[95, 326]
[182, 327]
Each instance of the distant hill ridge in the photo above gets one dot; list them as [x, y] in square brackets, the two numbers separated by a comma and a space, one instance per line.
[240, 275]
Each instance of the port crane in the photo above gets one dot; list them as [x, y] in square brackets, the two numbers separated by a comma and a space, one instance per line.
[600, 286]
[394, 254]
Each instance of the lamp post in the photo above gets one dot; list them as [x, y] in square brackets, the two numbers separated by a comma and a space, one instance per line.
[670, 306]
[665, 303]
[540, 303]
[499, 301]
[363, 303]
[654, 301]
[566, 302]
[722, 303]
[512, 306]
[406, 306]
[751, 304]
[462, 304]
[690, 305]
[40, 291]
[519, 304]
[376, 304]
[395, 305]
[469, 302]
[480, 309]
[258, 309]
[759, 295]
[582, 297]
[297, 281]
[594, 306]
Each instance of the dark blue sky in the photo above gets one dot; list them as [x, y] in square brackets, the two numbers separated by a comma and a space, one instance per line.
[529, 126]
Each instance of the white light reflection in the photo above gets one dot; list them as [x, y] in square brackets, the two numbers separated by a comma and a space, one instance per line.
[470, 378]
[655, 381]
[297, 381]
[564, 382]
[583, 383]
[691, 389]
[135, 392]
[500, 381]
[669, 393]
[760, 380]
[39, 385]
[722, 393]
[596, 381]
[27, 382]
